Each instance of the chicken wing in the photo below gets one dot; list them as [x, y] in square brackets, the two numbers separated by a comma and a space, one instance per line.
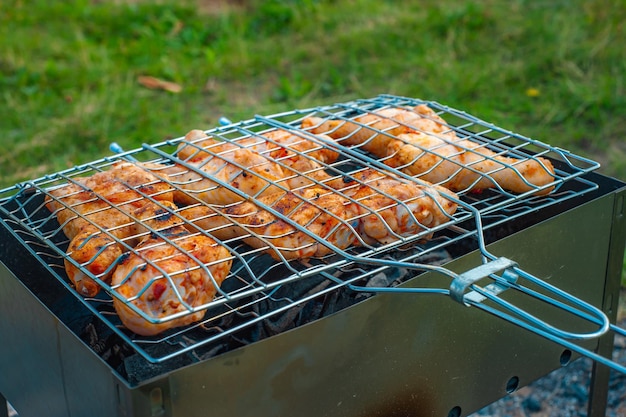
[169, 275]
[419, 142]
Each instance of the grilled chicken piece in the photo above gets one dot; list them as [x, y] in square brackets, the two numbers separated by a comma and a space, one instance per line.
[99, 249]
[254, 165]
[419, 143]
[465, 165]
[430, 205]
[100, 215]
[96, 199]
[267, 231]
[251, 173]
[276, 144]
[304, 158]
[169, 275]
[97, 252]
[377, 210]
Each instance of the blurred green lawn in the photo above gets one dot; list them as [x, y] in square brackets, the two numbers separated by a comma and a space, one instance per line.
[551, 70]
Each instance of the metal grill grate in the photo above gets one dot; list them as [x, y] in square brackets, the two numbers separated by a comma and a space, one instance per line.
[263, 273]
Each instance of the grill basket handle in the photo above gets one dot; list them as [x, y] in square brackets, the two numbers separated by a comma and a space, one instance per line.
[506, 275]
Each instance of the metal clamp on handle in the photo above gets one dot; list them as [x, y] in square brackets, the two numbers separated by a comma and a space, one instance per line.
[506, 274]
[460, 284]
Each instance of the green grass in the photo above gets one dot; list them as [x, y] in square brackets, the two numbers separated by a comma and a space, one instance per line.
[551, 70]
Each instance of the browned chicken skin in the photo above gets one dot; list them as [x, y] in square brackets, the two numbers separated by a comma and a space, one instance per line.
[123, 228]
[98, 250]
[303, 157]
[419, 143]
[393, 205]
[257, 166]
[163, 278]
[97, 213]
[98, 199]
[276, 144]
[251, 173]
[378, 209]
[95, 251]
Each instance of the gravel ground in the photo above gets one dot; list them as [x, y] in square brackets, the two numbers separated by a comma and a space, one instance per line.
[564, 392]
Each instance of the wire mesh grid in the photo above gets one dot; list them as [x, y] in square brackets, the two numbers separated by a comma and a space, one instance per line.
[252, 208]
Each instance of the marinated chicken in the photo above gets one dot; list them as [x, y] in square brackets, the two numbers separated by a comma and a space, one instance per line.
[97, 249]
[262, 229]
[419, 143]
[257, 166]
[276, 144]
[98, 199]
[304, 159]
[377, 210]
[165, 264]
[251, 173]
[105, 214]
[167, 276]
[410, 205]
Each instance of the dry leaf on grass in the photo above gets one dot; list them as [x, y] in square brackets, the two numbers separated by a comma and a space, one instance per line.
[158, 84]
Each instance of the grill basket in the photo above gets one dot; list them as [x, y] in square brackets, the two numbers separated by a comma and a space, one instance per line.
[265, 281]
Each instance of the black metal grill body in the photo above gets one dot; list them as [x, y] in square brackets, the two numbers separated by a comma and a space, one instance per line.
[391, 354]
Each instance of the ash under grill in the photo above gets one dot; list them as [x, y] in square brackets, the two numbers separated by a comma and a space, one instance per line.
[304, 273]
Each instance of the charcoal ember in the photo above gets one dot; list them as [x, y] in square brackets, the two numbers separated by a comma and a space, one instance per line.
[102, 340]
[293, 317]
[137, 369]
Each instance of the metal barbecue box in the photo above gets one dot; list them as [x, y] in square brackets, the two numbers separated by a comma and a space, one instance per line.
[370, 306]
